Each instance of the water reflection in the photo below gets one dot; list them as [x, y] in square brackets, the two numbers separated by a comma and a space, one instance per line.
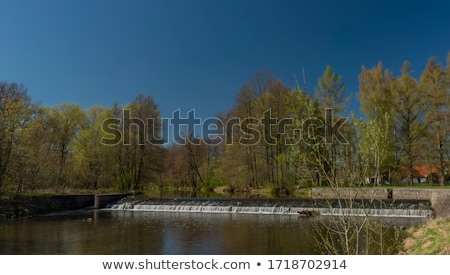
[158, 233]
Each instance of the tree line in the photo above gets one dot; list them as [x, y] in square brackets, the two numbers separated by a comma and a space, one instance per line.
[302, 139]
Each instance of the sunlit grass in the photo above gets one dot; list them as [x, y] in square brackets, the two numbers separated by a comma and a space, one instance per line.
[432, 238]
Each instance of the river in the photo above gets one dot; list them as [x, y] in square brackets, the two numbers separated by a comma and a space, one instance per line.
[106, 232]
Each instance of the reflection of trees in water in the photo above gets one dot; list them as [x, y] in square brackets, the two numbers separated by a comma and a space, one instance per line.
[352, 235]
[268, 235]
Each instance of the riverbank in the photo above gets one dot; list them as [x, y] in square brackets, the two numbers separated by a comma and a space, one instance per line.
[432, 238]
[24, 206]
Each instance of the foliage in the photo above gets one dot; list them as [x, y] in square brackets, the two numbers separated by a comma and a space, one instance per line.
[274, 137]
[330, 90]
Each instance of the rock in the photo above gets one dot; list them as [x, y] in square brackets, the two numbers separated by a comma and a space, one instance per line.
[309, 213]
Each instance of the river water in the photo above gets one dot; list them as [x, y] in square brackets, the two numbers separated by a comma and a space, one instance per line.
[105, 232]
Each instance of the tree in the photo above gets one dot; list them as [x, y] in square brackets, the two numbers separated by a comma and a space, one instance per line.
[93, 160]
[140, 158]
[409, 118]
[330, 91]
[435, 84]
[193, 158]
[65, 121]
[261, 105]
[16, 112]
[375, 143]
[302, 136]
[245, 109]
[375, 91]
[330, 95]
[377, 131]
[38, 151]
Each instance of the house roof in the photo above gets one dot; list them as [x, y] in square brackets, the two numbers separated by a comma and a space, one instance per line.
[419, 170]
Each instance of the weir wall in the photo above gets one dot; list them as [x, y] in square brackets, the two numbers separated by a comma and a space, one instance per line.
[439, 198]
[101, 200]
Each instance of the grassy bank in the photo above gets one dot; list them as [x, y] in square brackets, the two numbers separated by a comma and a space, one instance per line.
[432, 238]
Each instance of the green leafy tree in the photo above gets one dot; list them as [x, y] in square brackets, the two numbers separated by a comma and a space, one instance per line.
[38, 150]
[330, 91]
[65, 122]
[16, 112]
[93, 160]
[435, 84]
[409, 119]
[303, 134]
[375, 143]
[377, 131]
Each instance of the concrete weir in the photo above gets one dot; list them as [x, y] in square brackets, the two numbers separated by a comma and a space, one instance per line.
[326, 207]
[101, 200]
[439, 198]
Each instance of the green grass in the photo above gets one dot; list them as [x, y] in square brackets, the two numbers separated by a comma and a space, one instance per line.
[422, 186]
[432, 238]
[304, 193]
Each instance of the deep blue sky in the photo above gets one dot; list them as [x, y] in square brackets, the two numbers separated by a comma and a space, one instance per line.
[198, 54]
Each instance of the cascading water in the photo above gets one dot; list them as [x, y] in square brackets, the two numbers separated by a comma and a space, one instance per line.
[388, 208]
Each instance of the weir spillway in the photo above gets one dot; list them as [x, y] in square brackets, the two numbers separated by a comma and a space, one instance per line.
[383, 208]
